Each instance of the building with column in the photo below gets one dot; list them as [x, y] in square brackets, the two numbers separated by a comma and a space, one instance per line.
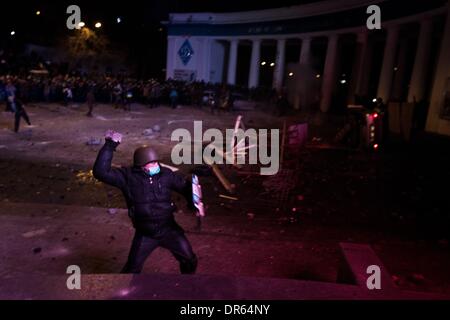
[322, 53]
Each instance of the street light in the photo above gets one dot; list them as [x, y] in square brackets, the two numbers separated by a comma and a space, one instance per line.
[13, 32]
[81, 24]
[119, 20]
[272, 64]
[98, 25]
[38, 12]
[263, 63]
[291, 74]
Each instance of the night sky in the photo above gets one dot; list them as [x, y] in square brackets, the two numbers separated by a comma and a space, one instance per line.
[136, 16]
[140, 34]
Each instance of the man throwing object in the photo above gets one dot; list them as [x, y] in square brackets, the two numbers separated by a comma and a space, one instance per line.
[147, 188]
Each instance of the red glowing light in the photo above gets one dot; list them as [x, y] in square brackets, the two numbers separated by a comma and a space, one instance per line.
[375, 115]
[375, 146]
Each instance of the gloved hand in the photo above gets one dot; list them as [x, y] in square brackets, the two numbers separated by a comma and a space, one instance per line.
[114, 136]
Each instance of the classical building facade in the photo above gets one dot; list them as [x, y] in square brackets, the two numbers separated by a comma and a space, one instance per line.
[407, 60]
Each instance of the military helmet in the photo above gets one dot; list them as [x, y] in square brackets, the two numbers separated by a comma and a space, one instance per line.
[144, 155]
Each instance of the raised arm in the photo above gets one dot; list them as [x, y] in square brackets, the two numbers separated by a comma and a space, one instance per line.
[102, 167]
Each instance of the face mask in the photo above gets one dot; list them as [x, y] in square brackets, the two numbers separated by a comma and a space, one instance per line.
[154, 170]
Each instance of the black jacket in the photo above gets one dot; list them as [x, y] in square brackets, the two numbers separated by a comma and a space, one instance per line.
[148, 198]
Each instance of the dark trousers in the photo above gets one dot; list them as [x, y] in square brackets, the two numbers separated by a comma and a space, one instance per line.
[173, 102]
[154, 102]
[173, 240]
[20, 114]
[91, 108]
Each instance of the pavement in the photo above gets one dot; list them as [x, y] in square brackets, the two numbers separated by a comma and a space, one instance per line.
[194, 287]
[54, 214]
[41, 241]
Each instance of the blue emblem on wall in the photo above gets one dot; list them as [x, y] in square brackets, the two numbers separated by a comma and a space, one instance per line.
[185, 52]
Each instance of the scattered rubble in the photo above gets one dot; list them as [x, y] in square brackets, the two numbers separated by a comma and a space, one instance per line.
[34, 233]
[94, 142]
[228, 197]
[112, 210]
[147, 132]
[151, 133]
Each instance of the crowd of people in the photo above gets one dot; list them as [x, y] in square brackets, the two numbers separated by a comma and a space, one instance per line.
[26, 79]
[121, 92]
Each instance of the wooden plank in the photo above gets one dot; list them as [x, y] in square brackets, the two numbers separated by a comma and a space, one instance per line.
[223, 180]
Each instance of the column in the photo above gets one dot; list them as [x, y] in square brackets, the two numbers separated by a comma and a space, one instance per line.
[204, 61]
[279, 65]
[360, 80]
[421, 62]
[253, 79]
[440, 85]
[387, 70]
[232, 62]
[329, 73]
[305, 53]
[302, 76]
[398, 92]
[170, 57]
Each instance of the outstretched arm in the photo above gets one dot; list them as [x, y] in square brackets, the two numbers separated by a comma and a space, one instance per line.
[102, 167]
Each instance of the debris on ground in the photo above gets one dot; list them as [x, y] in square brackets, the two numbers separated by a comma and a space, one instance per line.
[112, 210]
[94, 142]
[147, 132]
[34, 233]
[150, 133]
[228, 197]
[84, 177]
